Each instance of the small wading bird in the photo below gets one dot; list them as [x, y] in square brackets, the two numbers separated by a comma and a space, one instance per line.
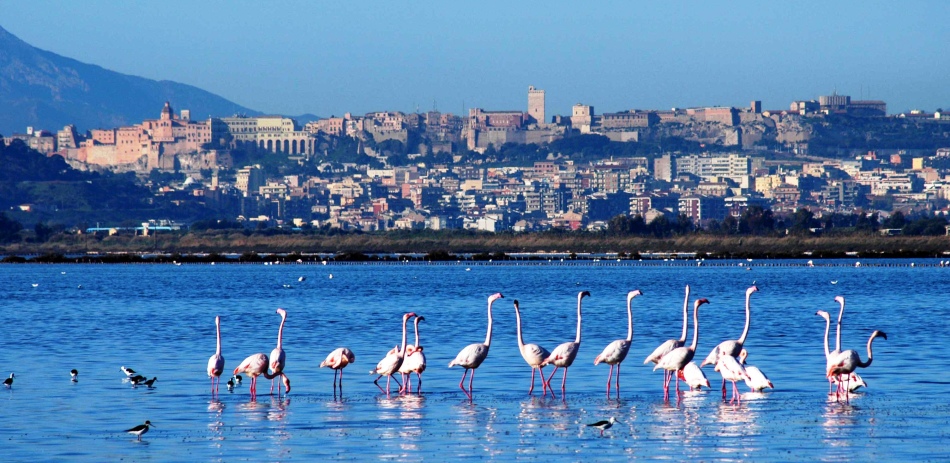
[677, 359]
[337, 361]
[216, 362]
[563, 355]
[390, 364]
[9, 381]
[671, 344]
[616, 351]
[74, 375]
[230, 384]
[604, 425]
[140, 429]
[472, 356]
[128, 371]
[150, 382]
[533, 354]
[732, 347]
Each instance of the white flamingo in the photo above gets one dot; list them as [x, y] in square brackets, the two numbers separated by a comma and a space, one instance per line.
[563, 355]
[414, 361]
[829, 354]
[733, 371]
[616, 351]
[732, 347]
[846, 362]
[671, 344]
[533, 354]
[254, 366]
[693, 376]
[337, 361]
[390, 364]
[678, 358]
[278, 358]
[757, 381]
[216, 362]
[472, 356]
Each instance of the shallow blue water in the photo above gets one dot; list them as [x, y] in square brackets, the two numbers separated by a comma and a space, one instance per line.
[159, 320]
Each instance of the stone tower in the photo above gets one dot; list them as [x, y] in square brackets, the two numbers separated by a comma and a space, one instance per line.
[536, 105]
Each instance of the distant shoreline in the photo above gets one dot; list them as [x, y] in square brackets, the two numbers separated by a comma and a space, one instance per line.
[474, 247]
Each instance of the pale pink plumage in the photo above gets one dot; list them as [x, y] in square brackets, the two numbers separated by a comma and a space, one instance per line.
[472, 356]
[563, 355]
[216, 362]
[616, 351]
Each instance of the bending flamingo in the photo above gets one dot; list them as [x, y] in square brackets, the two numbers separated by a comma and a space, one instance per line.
[533, 354]
[563, 356]
[846, 362]
[390, 364]
[733, 371]
[671, 344]
[693, 376]
[216, 362]
[254, 366]
[732, 347]
[414, 361]
[757, 381]
[278, 358]
[677, 359]
[337, 361]
[616, 351]
[474, 354]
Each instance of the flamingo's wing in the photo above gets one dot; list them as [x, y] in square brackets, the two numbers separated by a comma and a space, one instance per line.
[471, 356]
[662, 350]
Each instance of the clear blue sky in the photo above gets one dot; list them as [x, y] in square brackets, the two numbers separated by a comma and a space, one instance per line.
[332, 57]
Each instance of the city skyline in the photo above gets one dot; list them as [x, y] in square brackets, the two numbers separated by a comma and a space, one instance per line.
[328, 59]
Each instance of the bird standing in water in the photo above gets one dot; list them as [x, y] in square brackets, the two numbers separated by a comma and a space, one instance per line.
[9, 381]
[604, 425]
[140, 429]
[74, 375]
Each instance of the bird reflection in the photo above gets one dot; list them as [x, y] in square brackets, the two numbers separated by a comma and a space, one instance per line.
[216, 425]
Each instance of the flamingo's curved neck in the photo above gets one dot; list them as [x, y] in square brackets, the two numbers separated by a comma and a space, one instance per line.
[417, 332]
[695, 326]
[404, 321]
[870, 355]
[748, 318]
[827, 329]
[685, 316]
[629, 320]
[217, 325]
[488, 335]
[838, 335]
[577, 339]
[280, 331]
[518, 324]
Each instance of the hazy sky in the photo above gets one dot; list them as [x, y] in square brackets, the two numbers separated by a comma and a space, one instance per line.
[328, 58]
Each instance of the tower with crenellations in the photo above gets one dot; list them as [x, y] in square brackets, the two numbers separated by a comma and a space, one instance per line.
[536, 105]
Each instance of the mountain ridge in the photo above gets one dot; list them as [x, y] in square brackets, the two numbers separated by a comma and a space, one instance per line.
[45, 90]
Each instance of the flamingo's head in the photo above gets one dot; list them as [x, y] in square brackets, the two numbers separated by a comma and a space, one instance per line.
[494, 297]
[743, 354]
[700, 302]
[282, 313]
[751, 290]
[286, 382]
[217, 319]
[823, 314]
[582, 294]
[516, 304]
[408, 316]
[633, 294]
[420, 319]
[880, 333]
[839, 299]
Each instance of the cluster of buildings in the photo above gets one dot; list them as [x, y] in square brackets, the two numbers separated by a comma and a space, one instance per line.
[554, 193]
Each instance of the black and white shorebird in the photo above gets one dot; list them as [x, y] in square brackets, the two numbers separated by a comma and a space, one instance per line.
[74, 375]
[150, 382]
[302, 279]
[231, 384]
[128, 371]
[140, 429]
[137, 379]
[9, 381]
[238, 379]
[604, 425]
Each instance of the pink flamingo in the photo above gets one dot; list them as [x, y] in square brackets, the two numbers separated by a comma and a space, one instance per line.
[563, 355]
[757, 381]
[693, 376]
[414, 361]
[472, 356]
[278, 358]
[616, 351]
[671, 344]
[733, 371]
[390, 364]
[732, 347]
[677, 358]
[337, 361]
[829, 354]
[216, 362]
[254, 366]
[533, 354]
[846, 362]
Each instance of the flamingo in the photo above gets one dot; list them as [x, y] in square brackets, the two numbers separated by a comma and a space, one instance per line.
[671, 344]
[254, 366]
[846, 362]
[337, 360]
[216, 362]
[390, 364]
[414, 361]
[732, 347]
[829, 354]
[278, 358]
[731, 370]
[678, 358]
[533, 354]
[563, 356]
[757, 381]
[616, 351]
[472, 356]
[693, 376]
[855, 382]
